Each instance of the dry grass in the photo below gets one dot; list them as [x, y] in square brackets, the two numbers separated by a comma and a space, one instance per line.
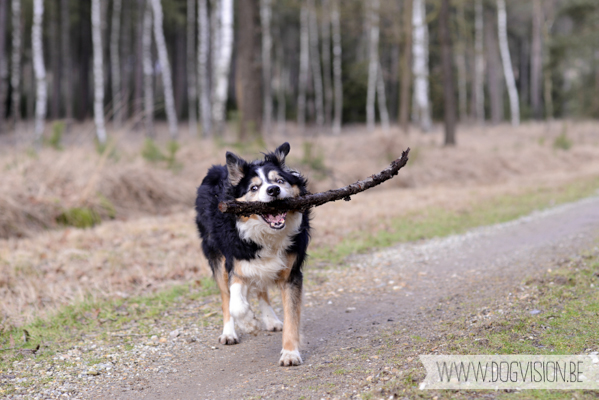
[153, 242]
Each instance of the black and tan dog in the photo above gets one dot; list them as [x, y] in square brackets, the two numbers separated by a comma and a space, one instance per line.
[249, 254]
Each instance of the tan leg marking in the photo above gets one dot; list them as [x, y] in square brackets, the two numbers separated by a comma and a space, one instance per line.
[222, 280]
[292, 306]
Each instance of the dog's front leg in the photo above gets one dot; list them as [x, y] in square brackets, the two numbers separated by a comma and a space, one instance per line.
[222, 279]
[291, 293]
[239, 306]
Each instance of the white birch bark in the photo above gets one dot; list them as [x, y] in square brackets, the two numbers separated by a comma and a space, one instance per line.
[265, 19]
[192, 83]
[382, 99]
[165, 65]
[373, 62]
[421, 108]
[223, 63]
[148, 71]
[98, 69]
[507, 63]
[314, 54]
[115, 65]
[39, 68]
[326, 60]
[479, 63]
[303, 68]
[15, 75]
[337, 83]
[203, 54]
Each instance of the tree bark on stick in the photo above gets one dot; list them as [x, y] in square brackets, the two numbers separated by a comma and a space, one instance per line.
[302, 203]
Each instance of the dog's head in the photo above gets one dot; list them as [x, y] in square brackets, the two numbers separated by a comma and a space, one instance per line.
[265, 180]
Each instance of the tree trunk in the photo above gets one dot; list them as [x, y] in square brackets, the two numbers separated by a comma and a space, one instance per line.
[547, 81]
[406, 71]
[507, 63]
[373, 61]
[223, 63]
[127, 57]
[536, 61]
[139, 76]
[192, 82]
[460, 58]
[248, 74]
[382, 99]
[37, 47]
[421, 109]
[479, 64]
[3, 63]
[304, 65]
[315, 63]
[447, 68]
[494, 75]
[167, 77]
[54, 51]
[15, 76]
[115, 65]
[337, 82]
[326, 61]
[98, 72]
[67, 64]
[203, 58]
[281, 82]
[148, 70]
[265, 20]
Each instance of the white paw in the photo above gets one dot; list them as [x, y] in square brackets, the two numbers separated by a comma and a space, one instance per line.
[272, 324]
[227, 338]
[290, 358]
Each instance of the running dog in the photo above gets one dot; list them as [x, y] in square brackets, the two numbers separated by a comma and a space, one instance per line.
[249, 254]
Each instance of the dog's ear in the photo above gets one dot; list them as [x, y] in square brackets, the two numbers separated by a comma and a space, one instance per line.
[235, 166]
[281, 152]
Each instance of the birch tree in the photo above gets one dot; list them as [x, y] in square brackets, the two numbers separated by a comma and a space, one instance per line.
[203, 54]
[115, 64]
[222, 62]
[326, 60]
[15, 75]
[98, 71]
[479, 63]
[39, 70]
[507, 63]
[167, 78]
[421, 109]
[303, 67]
[373, 61]
[67, 79]
[148, 72]
[265, 20]
[3, 62]
[192, 83]
[314, 54]
[382, 99]
[337, 83]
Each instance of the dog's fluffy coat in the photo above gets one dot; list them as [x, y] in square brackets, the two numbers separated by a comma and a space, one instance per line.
[249, 254]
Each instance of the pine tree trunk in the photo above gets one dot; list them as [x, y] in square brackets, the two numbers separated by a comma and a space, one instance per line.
[536, 62]
[304, 65]
[265, 20]
[547, 81]
[15, 76]
[315, 63]
[223, 63]
[192, 82]
[98, 71]
[3, 63]
[139, 108]
[446, 61]
[382, 99]
[126, 62]
[203, 73]
[67, 79]
[460, 57]
[479, 64]
[495, 83]
[39, 68]
[326, 61]
[373, 61]
[148, 71]
[115, 65]
[421, 109]
[281, 81]
[406, 71]
[167, 77]
[337, 82]
[507, 63]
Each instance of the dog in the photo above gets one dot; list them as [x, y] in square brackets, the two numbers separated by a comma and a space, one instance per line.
[248, 254]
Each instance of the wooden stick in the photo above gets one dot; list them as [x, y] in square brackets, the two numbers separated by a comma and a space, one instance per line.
[302, 203]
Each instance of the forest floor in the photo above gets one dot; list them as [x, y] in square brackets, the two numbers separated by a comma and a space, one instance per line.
[131, 298]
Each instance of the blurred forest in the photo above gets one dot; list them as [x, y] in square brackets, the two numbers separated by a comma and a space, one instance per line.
[267, 64]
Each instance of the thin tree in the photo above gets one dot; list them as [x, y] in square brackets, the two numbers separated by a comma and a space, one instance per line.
[98, 71]
[421, 109]
[406, 71]
[3, 62]
[536, 61]
[337, 83]
[479, 63]
[280, 87]
[222, 62]
[507, 63]
[460, 61]
[54, 49]
[203, 54]
[148, 72]
[382, 99]
[373, 61]
[167, 78]
[15, 75]
[115, 64]
[39, 68]
[447, 68]
[139, 79]
[67, 80]
[192, 84]
[304, 65]
[265, 21]
[547, 81]
[315, 63]
[326, 60]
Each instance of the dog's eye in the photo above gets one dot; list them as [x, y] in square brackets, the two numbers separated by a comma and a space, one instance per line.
[280, 181]
[254, 188]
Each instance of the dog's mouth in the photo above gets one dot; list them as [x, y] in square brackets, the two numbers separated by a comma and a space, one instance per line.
[275, 221]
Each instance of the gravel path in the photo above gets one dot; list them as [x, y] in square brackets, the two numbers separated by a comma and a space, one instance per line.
[398, 293]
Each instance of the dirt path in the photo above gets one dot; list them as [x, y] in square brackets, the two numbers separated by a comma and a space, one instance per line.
[402, 291]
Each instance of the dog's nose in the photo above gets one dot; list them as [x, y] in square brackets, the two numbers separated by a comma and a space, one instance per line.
[273, 191]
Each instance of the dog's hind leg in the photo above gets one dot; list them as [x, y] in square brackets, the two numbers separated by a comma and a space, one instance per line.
[269, 318]
[222, 279]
